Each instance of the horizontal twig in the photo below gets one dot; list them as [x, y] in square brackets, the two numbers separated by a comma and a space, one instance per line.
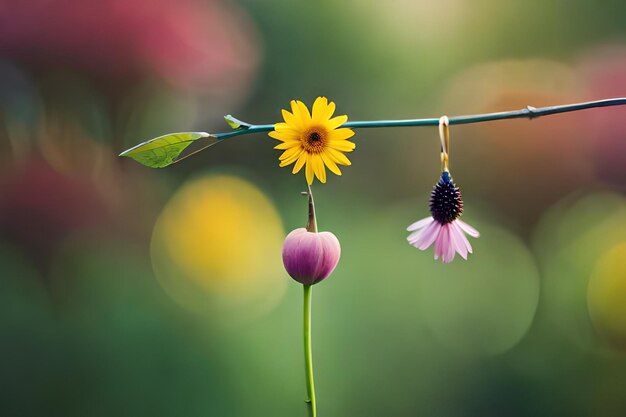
[528, 113]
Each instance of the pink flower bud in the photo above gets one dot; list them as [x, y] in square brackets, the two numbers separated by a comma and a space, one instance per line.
[310, 257]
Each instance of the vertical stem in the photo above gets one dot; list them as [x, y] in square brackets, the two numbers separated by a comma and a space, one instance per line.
[306, 323]
[311, 225]
[308, 354]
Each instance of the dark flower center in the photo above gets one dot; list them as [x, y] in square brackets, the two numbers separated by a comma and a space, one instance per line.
[314, 139]
[446, 202]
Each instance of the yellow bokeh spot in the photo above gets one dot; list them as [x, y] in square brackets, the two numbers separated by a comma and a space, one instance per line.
[607, 296]
[217, 246]
[572, 241]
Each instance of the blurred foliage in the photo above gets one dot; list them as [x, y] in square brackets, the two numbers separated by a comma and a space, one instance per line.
[128, 291]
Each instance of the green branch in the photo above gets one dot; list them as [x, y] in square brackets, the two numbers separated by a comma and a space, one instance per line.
[168, 149]
[308, 354]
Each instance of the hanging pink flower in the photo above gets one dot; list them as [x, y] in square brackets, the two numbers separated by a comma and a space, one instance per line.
[444, 229]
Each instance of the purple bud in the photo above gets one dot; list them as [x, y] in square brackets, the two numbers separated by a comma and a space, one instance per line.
[310, 257]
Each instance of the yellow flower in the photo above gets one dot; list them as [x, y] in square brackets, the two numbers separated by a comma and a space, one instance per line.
[313, 139]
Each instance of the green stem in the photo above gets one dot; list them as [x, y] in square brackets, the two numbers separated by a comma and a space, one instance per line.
[308, 354]
[529, 113]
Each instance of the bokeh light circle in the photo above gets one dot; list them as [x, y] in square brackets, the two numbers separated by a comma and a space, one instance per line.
[483, 306]
[216, 247]
[606, 296]
[572, 242]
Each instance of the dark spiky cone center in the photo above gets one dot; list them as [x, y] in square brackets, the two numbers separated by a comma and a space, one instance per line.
[446, 203]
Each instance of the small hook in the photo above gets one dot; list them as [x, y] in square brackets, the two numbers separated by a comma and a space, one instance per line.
[444, 137]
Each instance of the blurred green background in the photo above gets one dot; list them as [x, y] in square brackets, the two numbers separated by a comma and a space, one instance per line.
[128, 291]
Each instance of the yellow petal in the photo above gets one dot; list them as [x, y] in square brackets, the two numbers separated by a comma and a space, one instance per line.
[291, 120]
[335, 122]
[289, 153]
[284, 136]
[318, 168]
[322, 174]
[319, 109]
[284, 127]
[291, 159]
[338, 157]
[342, 133]
[309, 171]
[329, 110]
[294, 109]
[305, 116]
[287, 144]
[330, 164]
[342, 145]
[300, 162]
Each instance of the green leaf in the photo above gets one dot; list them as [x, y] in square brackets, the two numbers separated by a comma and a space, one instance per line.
[168, 149]
[235, 124]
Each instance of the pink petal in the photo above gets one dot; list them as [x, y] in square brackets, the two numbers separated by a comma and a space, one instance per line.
[418, 231]
[441, 243]
[467, 228]
[451, 249]
[419, 224]
[465, 241]
[429, 236]
[437, 245]
[457, 237]
[416, 235]
[413, 237]
[422, 239]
